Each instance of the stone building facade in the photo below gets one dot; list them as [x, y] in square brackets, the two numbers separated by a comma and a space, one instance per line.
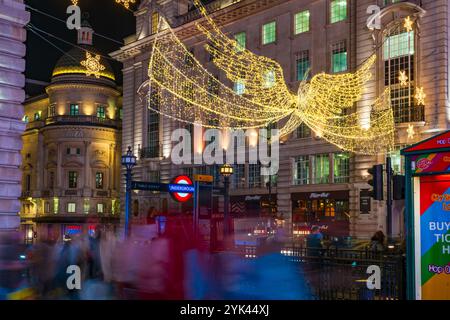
[71, 148]
[317, 182]
[13, 18]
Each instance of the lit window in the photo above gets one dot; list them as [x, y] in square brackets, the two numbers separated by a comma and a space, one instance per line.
[241, 41]
[338, 10]
[37, 115]
[51, 110]
[55, 205]
[339, 57]
[155, 22]
[239, 88]
[269, 33]
[99, 180]
[73, 179]
[254, 175]
[398, 46]
[303, 65]
[301, 22]
[269, 79]
[101, 112]
[86, 206]
[303, 131]
[100, 208]
[25, 119]
[321, 168]
[301, 170]
[71, 207]
[74, 109]
[341, 167]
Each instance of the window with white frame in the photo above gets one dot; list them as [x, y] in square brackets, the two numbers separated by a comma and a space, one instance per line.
[301, 170]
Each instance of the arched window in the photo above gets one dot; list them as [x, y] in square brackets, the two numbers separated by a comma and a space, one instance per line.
[399, 57]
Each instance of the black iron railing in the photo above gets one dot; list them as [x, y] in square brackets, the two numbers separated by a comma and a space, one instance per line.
[341, 274]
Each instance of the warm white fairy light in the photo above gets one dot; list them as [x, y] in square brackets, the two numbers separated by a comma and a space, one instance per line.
[125, 3]
[182, 88]
[420, 96]
[92, 65]
[410, 131]
[408, 24]
[403, 78]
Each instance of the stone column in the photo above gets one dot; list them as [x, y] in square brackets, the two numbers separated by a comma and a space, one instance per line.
[13, 17]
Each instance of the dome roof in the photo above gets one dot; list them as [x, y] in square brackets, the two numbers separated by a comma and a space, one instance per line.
[70, 63]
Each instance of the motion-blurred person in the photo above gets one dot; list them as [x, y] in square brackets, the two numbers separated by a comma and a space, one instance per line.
[13, 269]
[314, 241]
[377, 242]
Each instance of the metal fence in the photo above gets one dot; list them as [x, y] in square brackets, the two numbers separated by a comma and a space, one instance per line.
[341, 274]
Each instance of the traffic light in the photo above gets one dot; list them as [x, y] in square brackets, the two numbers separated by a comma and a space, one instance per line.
[399, 187]
[376, 182]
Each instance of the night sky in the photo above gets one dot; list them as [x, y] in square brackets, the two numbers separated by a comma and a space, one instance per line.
[106, 18]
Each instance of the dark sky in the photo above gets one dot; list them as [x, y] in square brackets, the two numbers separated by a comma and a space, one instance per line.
[106, 18]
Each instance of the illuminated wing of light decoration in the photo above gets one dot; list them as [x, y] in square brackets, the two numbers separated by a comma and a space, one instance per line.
[125, 3]
[92, 65]
[181, 88]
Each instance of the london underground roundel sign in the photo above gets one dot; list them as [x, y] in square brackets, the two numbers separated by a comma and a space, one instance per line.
[182, 188]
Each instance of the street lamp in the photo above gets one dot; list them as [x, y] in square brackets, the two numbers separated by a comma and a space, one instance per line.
[128, 161]
[226, 171]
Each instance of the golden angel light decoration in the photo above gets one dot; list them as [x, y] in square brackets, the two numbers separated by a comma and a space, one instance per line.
[180, 87]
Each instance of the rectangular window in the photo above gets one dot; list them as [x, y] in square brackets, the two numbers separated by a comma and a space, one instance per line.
[99, 180]
[301, 20]
[239, 88]
[100, 208]
[37, 116]
[397, 160]
[154, 176]
[239, 176]
[152, 150]
[269, 79]
[28, 182]
[51, 110]
[399, 45]
[46, 207]
[120, 113]
[341, 167]
[303, 65]
[74, 110]
[155, 22]
[101, 112]
[338, 10]
[301, 170]
[321, 169]
[269, 33]
[241, 41]
[55, 205]
[73, 179]
[339, 57]
[51, 179]
[303, 131]
[86, 206]
[71, 207]
[254, 175]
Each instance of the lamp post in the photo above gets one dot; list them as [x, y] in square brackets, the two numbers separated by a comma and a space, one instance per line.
[129, 161]
[226, 171]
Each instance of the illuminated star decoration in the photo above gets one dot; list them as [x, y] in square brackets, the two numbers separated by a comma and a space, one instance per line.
[125, 3]
[75, 2]
[183, 89]
[92, 65]
[408, 24]
[410, 131]
[420, 96]
[403, 78]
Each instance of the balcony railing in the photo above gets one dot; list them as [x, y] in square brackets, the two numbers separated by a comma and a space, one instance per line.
[82, 119]
[36, 124]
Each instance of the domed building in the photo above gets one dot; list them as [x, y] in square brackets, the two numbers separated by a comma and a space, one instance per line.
[71, 147]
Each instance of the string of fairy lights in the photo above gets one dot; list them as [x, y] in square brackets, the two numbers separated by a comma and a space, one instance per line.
[181, 88]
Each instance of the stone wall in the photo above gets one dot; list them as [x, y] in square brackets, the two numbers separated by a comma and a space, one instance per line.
[13, 18]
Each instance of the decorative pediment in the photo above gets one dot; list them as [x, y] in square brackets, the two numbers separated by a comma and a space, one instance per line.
[72, 164]
[99, 164]
[51, 165]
